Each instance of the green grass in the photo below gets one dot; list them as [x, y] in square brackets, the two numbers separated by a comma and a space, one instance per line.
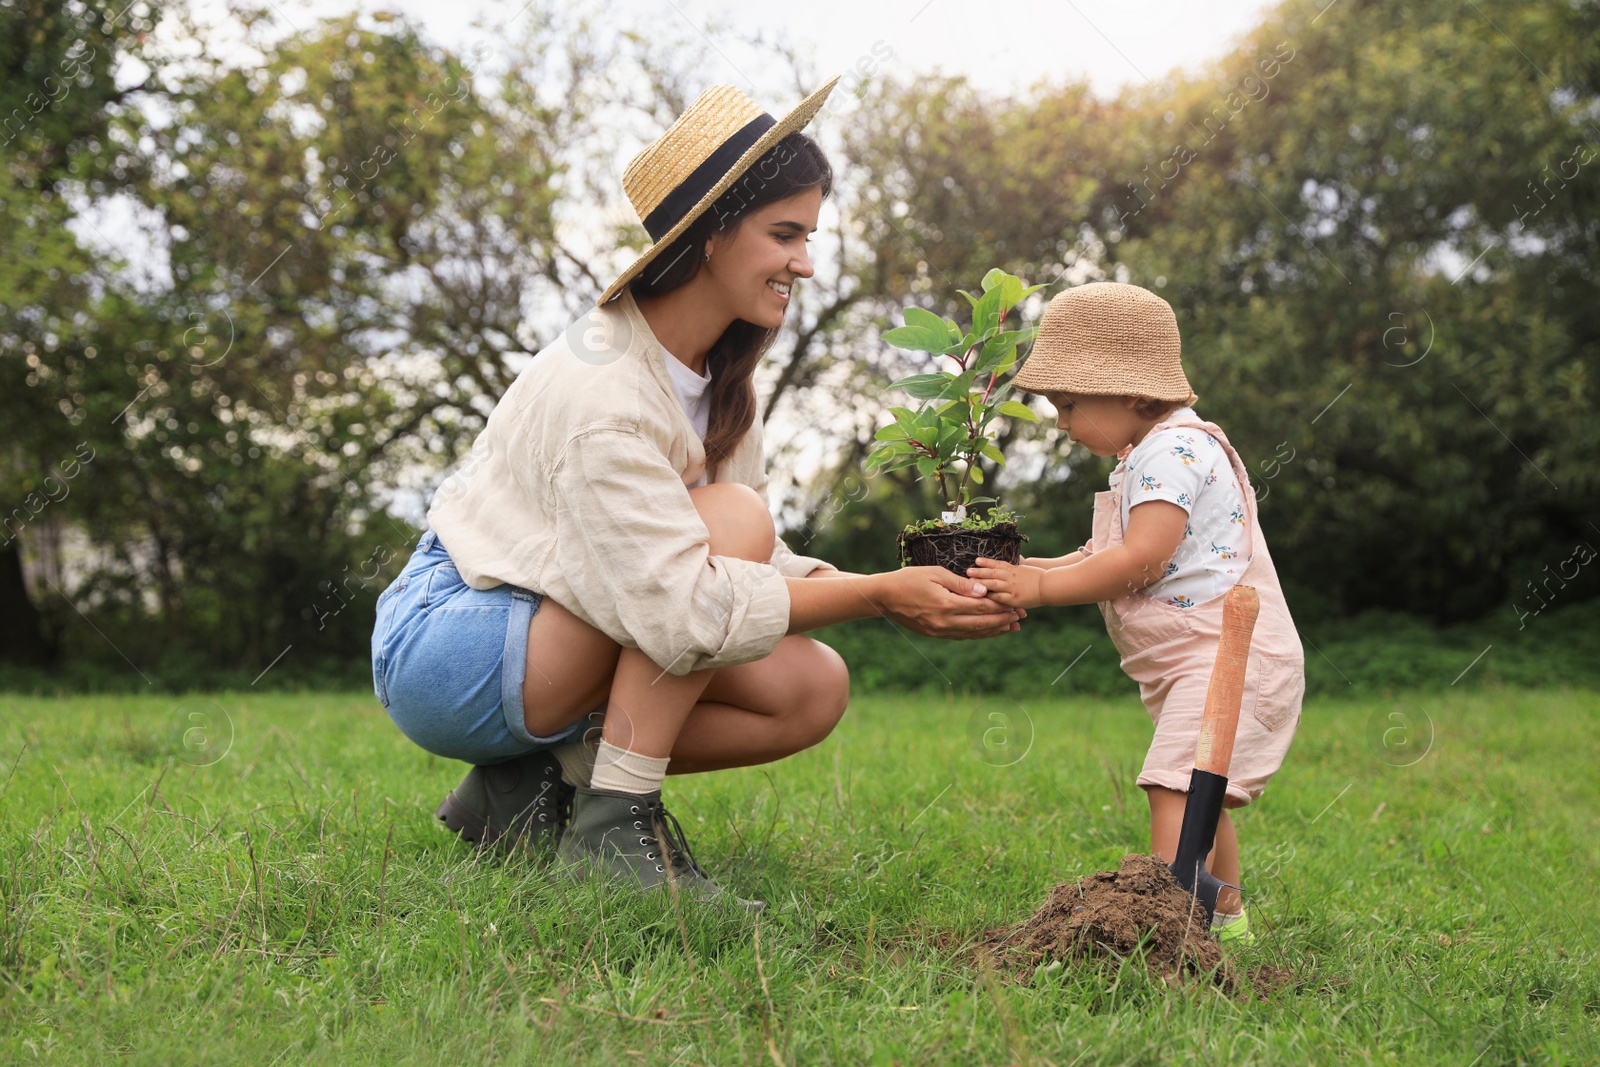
[293, 901]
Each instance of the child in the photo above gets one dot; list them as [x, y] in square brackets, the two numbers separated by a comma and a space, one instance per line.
[1176, 530]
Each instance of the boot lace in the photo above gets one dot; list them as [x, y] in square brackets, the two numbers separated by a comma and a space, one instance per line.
[666, 833]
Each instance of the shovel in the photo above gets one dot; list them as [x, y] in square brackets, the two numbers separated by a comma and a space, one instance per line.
[1208, 783]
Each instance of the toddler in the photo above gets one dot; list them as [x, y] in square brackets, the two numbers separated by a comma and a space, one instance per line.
[1175, 531]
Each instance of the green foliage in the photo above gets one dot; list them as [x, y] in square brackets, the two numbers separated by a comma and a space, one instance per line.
[352, 228]
[1361, 284]
[952, 424]
[1371, 654]
[1376, 223]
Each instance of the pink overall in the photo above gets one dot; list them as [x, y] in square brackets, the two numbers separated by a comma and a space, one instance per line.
[1170, 652]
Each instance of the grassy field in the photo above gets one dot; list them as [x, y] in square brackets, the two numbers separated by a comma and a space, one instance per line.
[246, 878]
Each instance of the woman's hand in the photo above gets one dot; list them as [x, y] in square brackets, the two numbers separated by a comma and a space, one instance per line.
[1010, 584]
[935, 603]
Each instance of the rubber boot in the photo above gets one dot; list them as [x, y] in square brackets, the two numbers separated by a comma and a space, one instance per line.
[633, 839]
[522, 802]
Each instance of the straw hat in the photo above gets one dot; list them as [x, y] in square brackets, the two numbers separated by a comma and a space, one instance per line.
[709, 147]
[1107, 339]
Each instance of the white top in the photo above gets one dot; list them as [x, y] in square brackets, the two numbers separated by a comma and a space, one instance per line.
[692, 393]
[1190, 468]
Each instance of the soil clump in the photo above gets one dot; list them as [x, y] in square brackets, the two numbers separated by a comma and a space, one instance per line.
[1108, 916]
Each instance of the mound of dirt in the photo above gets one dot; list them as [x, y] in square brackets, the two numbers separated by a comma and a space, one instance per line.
[1110, 914]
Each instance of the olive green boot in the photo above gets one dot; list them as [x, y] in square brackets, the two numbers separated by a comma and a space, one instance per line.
[520, 802]
[634, 839]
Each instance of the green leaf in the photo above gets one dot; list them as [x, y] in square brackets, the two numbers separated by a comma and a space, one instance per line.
[998, 347]
[1010, 291]
[923, 332]
[915, 340]
[959, 385]
[970, 298]
[886, 461]
[893, 432]
[991, 452]
[926, 466]
[975, 472]
[924, 386]
[993, 278]
[986, 313]
[1018, 410]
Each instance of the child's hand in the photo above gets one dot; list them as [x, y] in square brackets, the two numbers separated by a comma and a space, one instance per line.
[1009, 584]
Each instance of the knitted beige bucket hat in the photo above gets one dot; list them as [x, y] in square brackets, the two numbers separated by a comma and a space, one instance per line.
[708, 148]
[1107, 339]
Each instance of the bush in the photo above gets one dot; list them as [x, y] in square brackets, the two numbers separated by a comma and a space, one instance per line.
[1067, 651]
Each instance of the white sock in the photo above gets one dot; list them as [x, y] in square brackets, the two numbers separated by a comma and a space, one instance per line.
[620, 771]
[1224, 918]
[577, 762]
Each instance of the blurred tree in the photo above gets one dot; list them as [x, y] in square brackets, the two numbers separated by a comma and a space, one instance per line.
[356, 234]
[355, 240]
[1367, 237]
[60, 99]
[1377, 225]
[1396, 331]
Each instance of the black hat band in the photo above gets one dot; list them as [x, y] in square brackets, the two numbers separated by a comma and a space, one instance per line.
[689, 192]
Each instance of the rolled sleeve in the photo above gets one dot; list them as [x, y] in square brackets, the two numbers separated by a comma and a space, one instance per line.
[633, 551]
[791, 564]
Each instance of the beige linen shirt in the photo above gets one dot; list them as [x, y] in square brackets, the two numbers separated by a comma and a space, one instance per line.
[577, 488]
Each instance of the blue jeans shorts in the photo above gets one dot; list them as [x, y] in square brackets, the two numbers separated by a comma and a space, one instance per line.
[448, 660]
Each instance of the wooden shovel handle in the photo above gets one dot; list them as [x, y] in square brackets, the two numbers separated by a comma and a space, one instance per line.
[1214, 750]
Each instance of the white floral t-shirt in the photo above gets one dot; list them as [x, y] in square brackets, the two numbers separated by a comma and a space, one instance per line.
[1188, 467]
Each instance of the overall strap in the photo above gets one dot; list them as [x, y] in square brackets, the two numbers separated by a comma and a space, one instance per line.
[1246, 490]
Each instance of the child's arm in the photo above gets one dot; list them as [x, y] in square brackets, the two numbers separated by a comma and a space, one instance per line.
[1046, 563]
[1155, 529]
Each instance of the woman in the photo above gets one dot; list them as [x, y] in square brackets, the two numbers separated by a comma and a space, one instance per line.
[607, 546]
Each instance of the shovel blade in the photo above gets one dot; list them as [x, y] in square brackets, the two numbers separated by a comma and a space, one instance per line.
[1201, 884]
[1201, 813]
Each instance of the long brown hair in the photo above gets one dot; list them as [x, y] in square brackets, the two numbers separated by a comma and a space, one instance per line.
[792, 166]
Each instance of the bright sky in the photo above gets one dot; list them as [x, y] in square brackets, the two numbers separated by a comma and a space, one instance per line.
[1111, 42]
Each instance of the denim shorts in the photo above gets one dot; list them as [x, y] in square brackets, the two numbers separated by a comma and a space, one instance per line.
[448, 660]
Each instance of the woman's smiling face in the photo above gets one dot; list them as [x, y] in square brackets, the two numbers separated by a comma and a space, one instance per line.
[757, 262]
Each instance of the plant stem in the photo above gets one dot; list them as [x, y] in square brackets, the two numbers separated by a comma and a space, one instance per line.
[972, 430]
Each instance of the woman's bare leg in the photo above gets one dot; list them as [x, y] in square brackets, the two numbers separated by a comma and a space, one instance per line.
[648, 706]
[763, 711]
[570, 665]
[573, 668]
